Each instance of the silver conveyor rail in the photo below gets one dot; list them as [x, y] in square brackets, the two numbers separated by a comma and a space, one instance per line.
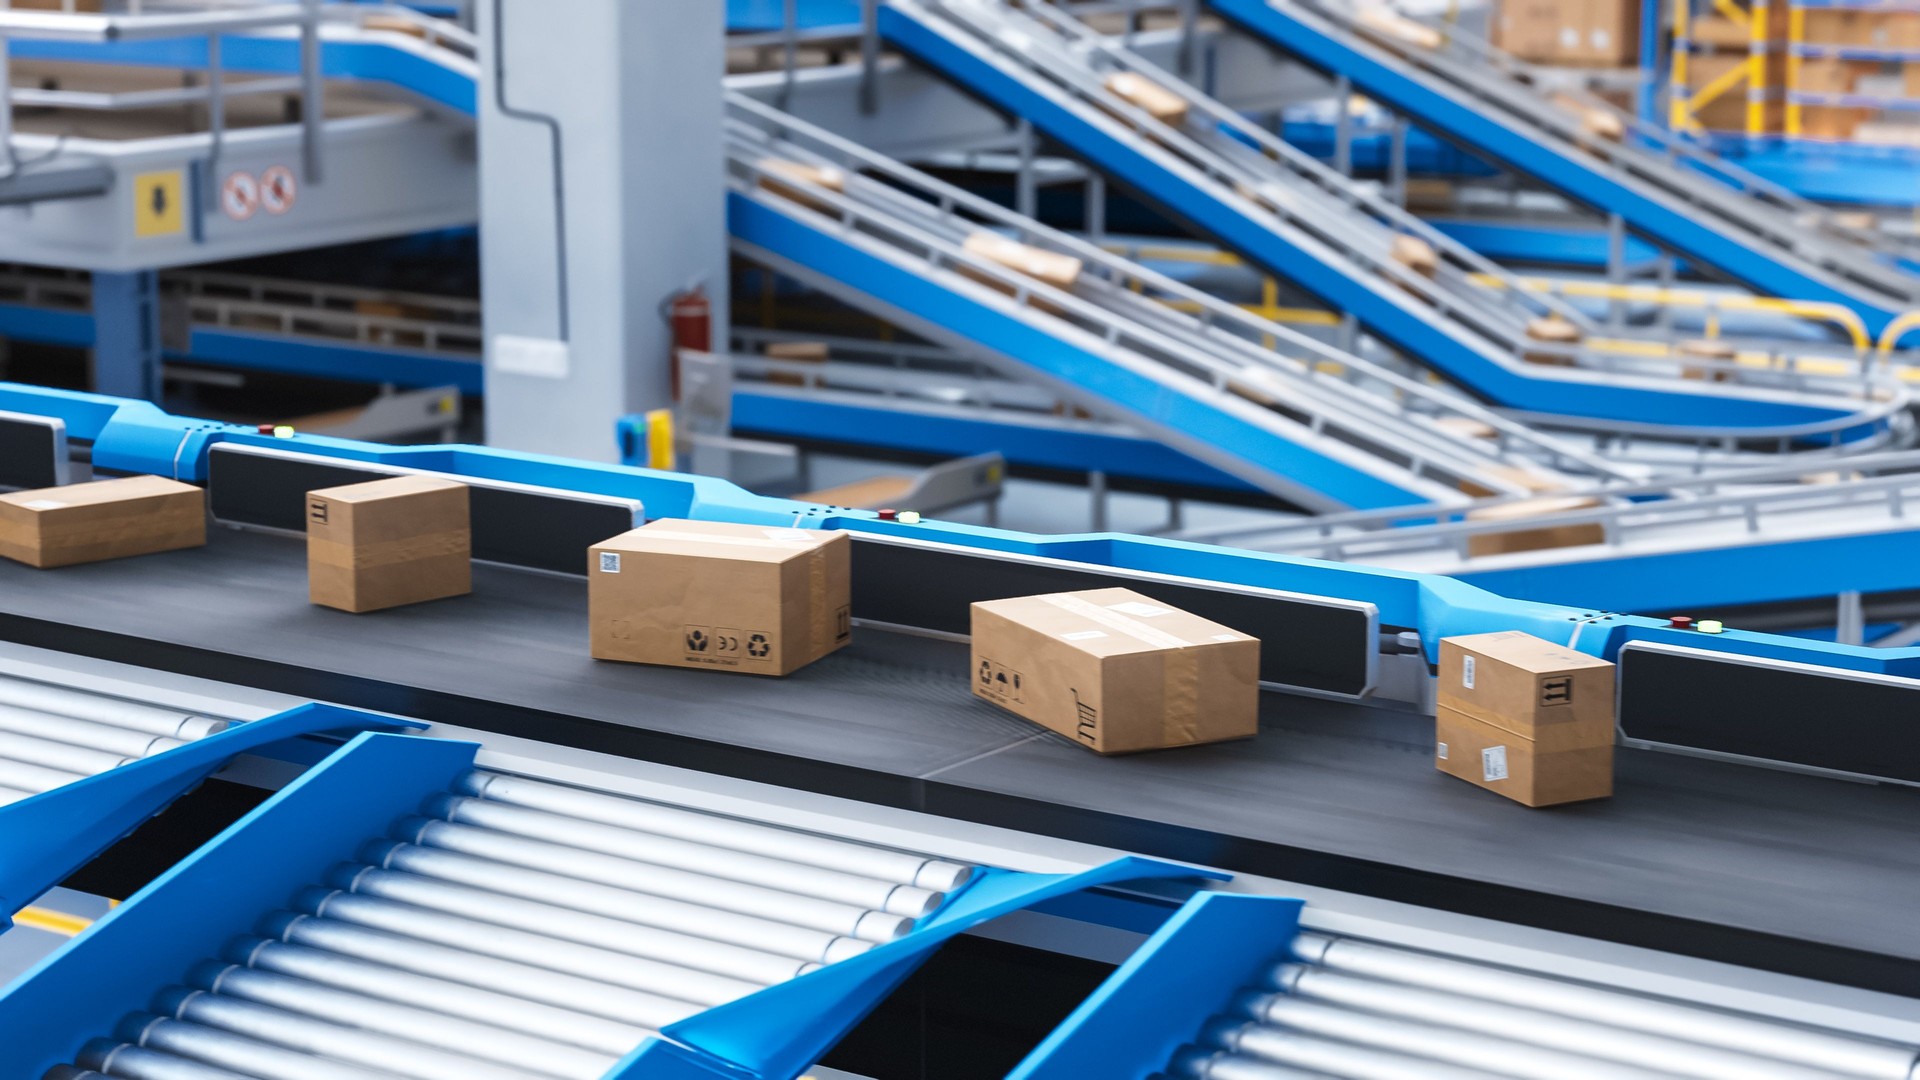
[519, 929]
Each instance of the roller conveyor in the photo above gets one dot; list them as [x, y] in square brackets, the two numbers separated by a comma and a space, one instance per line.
[519, 929]
[1347, 1007]
[51, 736]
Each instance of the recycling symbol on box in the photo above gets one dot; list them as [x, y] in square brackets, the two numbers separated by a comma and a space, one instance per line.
[758, 646]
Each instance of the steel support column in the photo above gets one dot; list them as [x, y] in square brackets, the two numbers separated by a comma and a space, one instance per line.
[126, 349]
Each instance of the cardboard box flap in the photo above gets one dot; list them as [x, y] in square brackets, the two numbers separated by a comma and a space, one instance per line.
[392, 487]
[1112, 622]
[1517, 648]
[722, 540]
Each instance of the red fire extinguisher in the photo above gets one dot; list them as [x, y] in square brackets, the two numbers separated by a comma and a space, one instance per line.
[690, 317]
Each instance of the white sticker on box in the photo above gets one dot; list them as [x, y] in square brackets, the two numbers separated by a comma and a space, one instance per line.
[609, 562]
[1466, 672]
[1138, 609]
[1493, 763]
[44, 504]
[1083, 635]
[1441, 752]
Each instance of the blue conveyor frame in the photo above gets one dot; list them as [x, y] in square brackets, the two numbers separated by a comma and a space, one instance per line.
[137, 437]
[256, 866]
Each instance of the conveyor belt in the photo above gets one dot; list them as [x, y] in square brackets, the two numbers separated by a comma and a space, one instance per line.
[519, 929]
[1764, 868]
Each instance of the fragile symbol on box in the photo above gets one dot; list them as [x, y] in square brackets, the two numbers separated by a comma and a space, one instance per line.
[1002, 682]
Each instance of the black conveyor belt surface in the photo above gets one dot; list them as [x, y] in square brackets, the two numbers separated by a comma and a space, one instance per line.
[1702, 857]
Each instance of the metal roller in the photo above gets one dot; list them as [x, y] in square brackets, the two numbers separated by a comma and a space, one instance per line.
[1200, 1063]
[846, 920]
[567, 925]
[104, 737]
[68, 1072]
[21, 776]
[58, 755]
[697, 856]
[426, 1026]
[500, 1009]
[100, 709]
[1556, 1032]
[1656, 1016]
[1255, 1043]
[631, 1009]
[386, 1053]
[747, 931]
[250, 1057]
[125, 1062]
[9, 796]
[1501, 1057]
[846, 856]
[540, 950]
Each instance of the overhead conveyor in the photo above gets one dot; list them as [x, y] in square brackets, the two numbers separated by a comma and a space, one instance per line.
[1253, 398]
[1230, 181]
[1659, 184]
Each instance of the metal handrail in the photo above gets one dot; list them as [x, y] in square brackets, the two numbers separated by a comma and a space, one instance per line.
[1216, 323]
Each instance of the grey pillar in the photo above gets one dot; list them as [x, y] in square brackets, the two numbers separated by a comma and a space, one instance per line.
[126, 341]
[602, 194]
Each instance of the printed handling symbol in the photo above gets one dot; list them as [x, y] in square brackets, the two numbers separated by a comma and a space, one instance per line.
[696, 641]
[758, 646]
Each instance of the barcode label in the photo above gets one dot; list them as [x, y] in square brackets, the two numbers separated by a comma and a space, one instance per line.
[1466, 672]
[1441, 752]
[609, 562]
[1493, 763]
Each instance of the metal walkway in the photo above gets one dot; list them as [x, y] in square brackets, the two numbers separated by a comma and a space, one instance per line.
[1676, 194]
[1253, 398]
[1233, 181]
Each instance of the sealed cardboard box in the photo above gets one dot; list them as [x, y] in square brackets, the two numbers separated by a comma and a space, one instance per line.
[1116, 671]
[704, 594]
[1528, 685]
[1538, 537]
[386, 543]
[1520, 768]
[103, 519]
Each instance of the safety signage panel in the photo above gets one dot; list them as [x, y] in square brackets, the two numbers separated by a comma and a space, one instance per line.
[159, 203]
[239, 195]
[277, 190]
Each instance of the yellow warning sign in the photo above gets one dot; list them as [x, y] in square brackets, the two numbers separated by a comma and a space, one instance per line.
[159, 203]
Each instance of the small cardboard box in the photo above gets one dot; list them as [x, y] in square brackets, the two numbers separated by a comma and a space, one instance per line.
[1115, 671]
[386, 543]
[706, 594]
[1539, 537]
[1539, 690]
[1520, 768]
[100, 520]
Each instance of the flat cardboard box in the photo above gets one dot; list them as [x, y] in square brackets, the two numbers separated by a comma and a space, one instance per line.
[1150, 97]
[1538, 537]
[1049, 266]
[703, 594]
[1115, 671]
[388, 543]
[1539, 690]
[100, 520]
[1571, 33]
[1516, 767]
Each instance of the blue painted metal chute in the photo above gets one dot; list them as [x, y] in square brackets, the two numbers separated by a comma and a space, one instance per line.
[255, 866]
[1129, 1028]
[48, 836]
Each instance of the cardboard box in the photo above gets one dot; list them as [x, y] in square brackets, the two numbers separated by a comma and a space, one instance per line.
[1540, 537]
[103, 519]
[386, 543]
[1530, 686]
[701, 594]
[1843, 26]
[1150, 97]
[1509, 764]
[1572, 33]
[1831, 122]
[1049, 266]
[1832, 75]
[1116, 671]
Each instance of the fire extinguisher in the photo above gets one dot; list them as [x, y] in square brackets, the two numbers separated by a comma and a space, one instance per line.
[690, 318]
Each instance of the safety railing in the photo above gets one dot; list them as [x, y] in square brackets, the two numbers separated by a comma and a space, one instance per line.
[1220, 344]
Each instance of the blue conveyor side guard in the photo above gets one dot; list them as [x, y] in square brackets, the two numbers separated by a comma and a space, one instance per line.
[1158, 1000]
[48, 836]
